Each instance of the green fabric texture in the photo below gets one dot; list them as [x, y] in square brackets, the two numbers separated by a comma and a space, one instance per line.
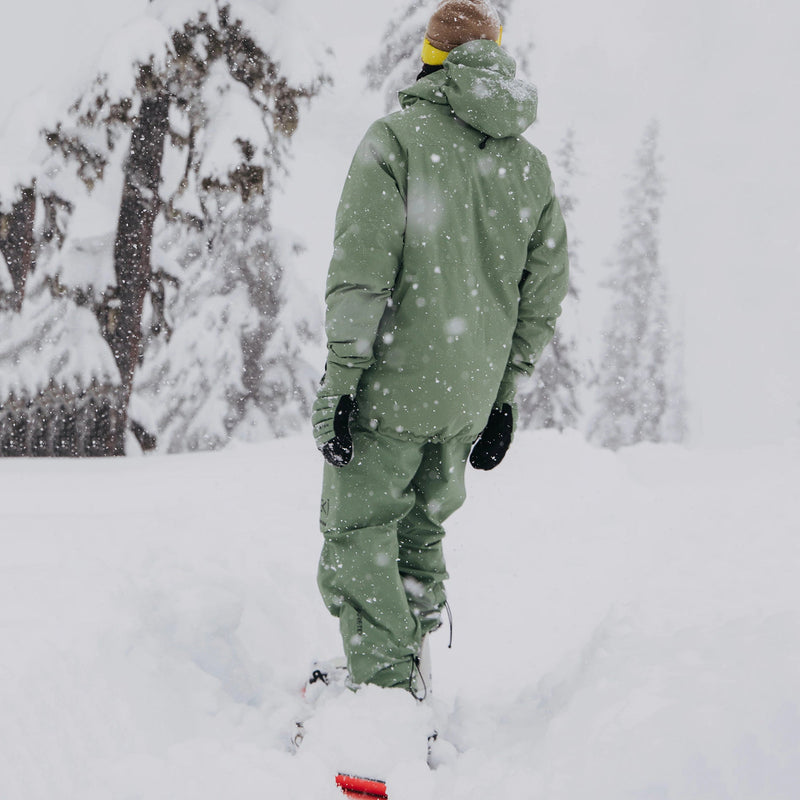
[508, 389]
[382, 568]
[340, 380]
[450, 252]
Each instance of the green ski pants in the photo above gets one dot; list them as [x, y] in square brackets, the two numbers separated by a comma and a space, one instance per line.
[382, 569]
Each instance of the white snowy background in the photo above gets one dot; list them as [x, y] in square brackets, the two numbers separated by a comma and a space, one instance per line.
[721, 77]
[631, 630]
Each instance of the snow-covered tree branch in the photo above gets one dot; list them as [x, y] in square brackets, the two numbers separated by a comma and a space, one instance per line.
[157, 189]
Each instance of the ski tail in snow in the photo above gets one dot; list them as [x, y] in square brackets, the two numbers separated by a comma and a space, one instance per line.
[364, 788]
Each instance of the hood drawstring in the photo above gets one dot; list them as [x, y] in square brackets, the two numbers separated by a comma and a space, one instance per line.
[450, 621]
[415, 661]
[415, 667]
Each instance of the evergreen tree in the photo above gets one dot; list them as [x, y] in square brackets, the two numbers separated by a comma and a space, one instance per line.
[634, 384]
[224, 334]
[223, 348]
[675, 426]
[192, 120]
[17, 247]
[549, 399]
[59, 385]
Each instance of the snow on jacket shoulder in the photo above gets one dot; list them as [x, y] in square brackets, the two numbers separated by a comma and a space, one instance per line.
[450, 256]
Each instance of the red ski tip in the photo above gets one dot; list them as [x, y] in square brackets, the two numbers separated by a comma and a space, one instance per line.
[355, 787]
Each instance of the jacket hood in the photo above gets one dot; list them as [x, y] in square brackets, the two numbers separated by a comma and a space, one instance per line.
[477, 81]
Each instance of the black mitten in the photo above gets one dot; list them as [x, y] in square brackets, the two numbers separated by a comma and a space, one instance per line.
[339, 450]
[495, 438]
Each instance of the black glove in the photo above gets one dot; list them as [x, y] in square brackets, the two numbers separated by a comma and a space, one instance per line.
[495, 438]
[339, 449]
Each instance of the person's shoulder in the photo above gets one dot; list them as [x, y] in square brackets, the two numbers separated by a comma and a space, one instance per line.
[383, 141]
[530, 150]
[533, 156]
[398, 128]
[391, 122]
[404, 119]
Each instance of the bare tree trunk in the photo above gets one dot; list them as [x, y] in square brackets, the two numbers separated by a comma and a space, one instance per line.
[140, 204]
[16, 242]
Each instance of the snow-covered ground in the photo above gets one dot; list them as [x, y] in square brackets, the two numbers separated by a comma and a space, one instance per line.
[626, 626]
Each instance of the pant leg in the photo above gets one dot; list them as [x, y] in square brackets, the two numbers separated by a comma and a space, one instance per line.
[362, 504]
[439, 491]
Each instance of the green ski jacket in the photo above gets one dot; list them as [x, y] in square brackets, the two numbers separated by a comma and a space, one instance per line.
[450, 256]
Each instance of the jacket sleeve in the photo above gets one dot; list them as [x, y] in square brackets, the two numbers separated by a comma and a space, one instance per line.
[543, 287]
[368, 250]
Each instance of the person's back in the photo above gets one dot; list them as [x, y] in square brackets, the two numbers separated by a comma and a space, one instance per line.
[448, 272]
[469, 198]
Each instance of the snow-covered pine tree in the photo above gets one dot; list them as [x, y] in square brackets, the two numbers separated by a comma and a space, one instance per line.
[675, 425]
[17, 246]
[59, 386]
[191, 113]
[224, 344]
[224, 333]
[550, 398]
[397, 64]
[634, 376]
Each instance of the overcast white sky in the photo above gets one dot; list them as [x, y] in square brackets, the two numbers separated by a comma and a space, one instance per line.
[723, 78]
